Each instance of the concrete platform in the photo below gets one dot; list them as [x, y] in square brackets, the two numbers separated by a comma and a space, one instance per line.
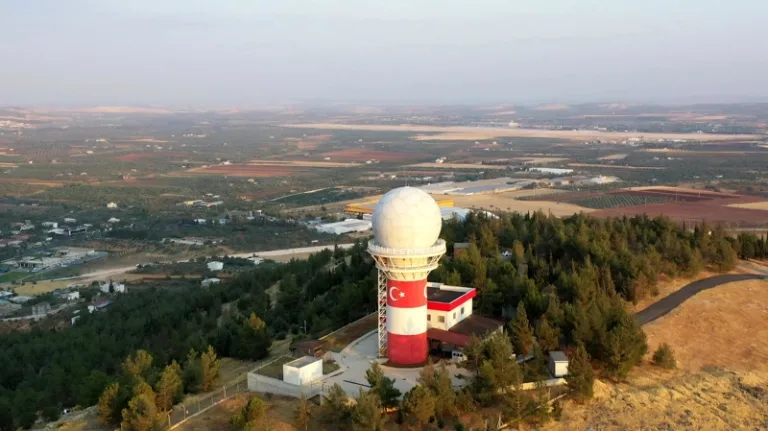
[356, 358]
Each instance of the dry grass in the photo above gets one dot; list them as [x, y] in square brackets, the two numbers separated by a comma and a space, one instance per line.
[597, 165]
[653, 399]
[613, 157]
[719, 338]
[541, 160]
[668, 286]
[506, 202]
[694, 152]
[723, 327]
[42, 287]
[752, 205]
[338, 340]
[303, 164]
[457, 166]
[477, 133]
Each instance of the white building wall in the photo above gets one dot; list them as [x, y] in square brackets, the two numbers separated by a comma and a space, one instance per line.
[559, 368]
[304, 375]
[450, 318]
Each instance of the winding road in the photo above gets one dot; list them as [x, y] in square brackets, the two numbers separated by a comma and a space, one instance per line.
[668, 303]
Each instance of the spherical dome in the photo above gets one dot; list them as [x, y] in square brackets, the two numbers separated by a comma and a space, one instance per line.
[406, 217]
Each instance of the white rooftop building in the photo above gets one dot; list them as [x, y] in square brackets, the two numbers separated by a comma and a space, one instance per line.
[209, 281]
[558, 364]
[303, 371]
[347, 226]
[215, 266]
[112, 286]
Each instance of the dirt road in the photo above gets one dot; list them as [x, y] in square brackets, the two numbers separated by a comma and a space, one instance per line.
[668, 303]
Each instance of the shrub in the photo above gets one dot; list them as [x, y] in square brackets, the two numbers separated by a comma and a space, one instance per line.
[664, 357]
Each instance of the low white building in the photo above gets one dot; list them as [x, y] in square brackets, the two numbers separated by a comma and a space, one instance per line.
[448, 305]
[215, 266]
[50, 224]
[112, 286]
[113, 220]
[72, 296]
[553, 171]
[558, 363]
[111, 205]
[209, 281]
[303, 371]
[347, 226]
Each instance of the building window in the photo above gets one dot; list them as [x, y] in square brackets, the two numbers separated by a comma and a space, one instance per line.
[462, 311]
[429, 317]
[441, 319]
[454, 315]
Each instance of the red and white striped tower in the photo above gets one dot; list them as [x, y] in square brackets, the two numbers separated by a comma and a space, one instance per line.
[406, 226]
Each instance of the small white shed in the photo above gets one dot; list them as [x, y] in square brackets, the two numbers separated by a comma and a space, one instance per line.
[303, 371]
[215, 266]
[558, 363]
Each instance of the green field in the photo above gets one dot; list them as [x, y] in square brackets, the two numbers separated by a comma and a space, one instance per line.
[11, 276]
[617, 200]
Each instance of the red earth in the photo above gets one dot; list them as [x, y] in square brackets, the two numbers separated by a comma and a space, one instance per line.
[713, 210]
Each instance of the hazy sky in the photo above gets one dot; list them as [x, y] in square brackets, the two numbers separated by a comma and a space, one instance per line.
[248, 52]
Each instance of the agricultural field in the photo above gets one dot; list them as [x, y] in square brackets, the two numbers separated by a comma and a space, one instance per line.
[453, 133]
[323, 196]
[363, 155]
[614, 200]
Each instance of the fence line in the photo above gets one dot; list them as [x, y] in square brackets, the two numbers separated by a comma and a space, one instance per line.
[183, 412]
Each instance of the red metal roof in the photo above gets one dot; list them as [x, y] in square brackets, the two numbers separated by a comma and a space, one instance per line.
[447, 337]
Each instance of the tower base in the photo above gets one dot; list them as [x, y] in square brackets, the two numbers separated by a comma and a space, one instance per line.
[407, 349]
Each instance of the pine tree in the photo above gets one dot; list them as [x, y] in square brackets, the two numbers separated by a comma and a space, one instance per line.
[303, 413]
[138, 364]
[419, 405]
[192, 373]
[427, 375]
[625, 346]
[547, 336]
[209, 365]
[367, 413]
[382, 385]
[335, 409]
[445, 396]
[253, 416]
[141, 415]
[107, 403]
[520, 331]
[581, 376]
[169, 386]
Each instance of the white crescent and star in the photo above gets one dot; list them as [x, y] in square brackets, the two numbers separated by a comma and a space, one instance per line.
[392, 294]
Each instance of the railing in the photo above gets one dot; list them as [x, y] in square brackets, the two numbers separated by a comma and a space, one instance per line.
[437, 248]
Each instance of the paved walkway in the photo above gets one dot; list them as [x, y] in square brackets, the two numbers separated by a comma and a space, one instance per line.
[668, 303]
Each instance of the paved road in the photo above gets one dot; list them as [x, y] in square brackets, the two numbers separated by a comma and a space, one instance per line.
[668, 303]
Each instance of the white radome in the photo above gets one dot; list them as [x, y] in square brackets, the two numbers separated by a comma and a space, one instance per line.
[407, 217]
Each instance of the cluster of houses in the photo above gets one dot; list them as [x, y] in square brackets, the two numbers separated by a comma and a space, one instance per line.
[55, 258]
